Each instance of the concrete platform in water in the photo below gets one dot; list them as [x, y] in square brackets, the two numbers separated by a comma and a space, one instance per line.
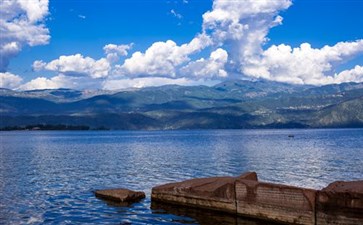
[339, 203]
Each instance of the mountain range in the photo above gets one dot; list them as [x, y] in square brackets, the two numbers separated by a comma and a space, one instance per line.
[234, 104]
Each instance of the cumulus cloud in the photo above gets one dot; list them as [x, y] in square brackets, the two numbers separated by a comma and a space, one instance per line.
[9, 80]
[239, 26]
[353, 75]
[304, 64]
[39, 65]
[46, 83]
[141, 82]
[21, 24]
[76, 65]
[234, 32]
[162, 58]
[113, 52]
[243, 25]
[212, 67]
[61, 81]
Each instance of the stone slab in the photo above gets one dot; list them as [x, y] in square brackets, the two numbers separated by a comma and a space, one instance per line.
[212, 193]
[340, 203]
[120, 195]
[275, 202]
[205, 216]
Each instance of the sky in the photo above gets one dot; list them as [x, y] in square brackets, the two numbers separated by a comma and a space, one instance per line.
[117, 44]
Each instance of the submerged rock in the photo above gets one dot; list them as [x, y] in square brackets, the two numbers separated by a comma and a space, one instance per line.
[120, 195]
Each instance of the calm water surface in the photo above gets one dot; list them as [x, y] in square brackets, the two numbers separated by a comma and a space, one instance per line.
[49, 177]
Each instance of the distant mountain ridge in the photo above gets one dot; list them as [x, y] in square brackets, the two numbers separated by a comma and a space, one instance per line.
[229, 105]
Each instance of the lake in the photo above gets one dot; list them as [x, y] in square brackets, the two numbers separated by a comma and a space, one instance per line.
[48, 177]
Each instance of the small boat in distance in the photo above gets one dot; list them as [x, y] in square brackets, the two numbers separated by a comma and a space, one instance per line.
[291, 135]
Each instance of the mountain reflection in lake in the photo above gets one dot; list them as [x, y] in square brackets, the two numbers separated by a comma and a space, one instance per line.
[49, 177]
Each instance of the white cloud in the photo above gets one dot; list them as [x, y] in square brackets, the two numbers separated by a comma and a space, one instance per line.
[235, 33]
[61, 81]
[243, 25]
[76, 65]
[39, 65]
[9, 80]
[113, 52]
[353, 75]
[302, 65]
[45, 83]
[162, 58]
[80, 66]
[81, 16]
[21, 24]
[212, 67]
[175, 14]
[35, 9]
[118, 84]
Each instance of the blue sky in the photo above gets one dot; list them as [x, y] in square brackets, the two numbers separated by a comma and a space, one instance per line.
[79, 30]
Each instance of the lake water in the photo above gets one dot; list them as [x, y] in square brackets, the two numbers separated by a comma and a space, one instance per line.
[49, 177]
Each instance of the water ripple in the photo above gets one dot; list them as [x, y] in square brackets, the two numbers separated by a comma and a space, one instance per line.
[50, 177]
